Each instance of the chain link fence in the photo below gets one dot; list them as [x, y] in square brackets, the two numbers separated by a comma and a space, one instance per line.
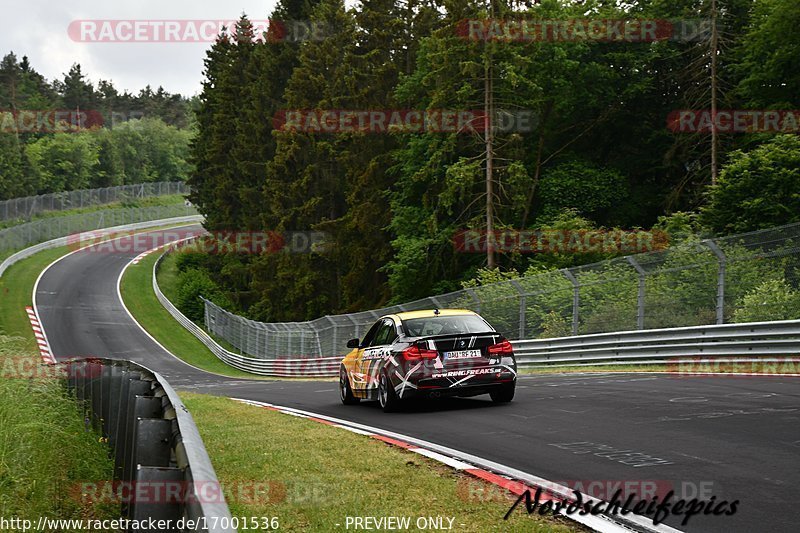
[24, 235]
[25, 209]
[741, 278]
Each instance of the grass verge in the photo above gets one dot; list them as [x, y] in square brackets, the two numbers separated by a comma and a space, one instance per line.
[313, 476]
[45, 451]
[137, 292]
[16, 286]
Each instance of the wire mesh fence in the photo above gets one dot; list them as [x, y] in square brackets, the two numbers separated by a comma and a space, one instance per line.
[24, 235]
[25, 209]
[741, 278]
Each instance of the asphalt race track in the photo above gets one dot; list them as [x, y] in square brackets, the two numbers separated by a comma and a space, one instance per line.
[735, 438]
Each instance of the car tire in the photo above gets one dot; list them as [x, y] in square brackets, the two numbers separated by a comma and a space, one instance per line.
[345, 392]
[503, 393]
[387, 397]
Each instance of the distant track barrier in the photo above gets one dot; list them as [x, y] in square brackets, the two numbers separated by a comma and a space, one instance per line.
[134, 219]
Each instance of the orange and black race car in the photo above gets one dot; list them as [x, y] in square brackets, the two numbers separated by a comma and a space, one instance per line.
[448, 352]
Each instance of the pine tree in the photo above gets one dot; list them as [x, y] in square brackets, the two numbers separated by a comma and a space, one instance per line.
[211, 147]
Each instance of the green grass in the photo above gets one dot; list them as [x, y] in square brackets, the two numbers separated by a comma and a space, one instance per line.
[16, 287]
[137, 292]
[45, 450]
[314, 475]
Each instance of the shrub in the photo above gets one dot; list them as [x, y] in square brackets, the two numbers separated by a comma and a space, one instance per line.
[192, 284]
[771, 300]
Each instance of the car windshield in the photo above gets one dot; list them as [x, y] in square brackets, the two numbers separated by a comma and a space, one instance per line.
[445, 325]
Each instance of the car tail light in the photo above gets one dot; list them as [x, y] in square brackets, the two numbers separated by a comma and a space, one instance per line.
[501, 348]
[415, 352]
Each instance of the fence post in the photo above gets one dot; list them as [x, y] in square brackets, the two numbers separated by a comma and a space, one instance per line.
[522, 307]
[335, 335]
[720, 279]
[640, 296]
[576, 299]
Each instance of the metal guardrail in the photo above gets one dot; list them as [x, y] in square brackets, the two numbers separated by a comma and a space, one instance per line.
[64, 240]
[24, 209]
[730, 341]
[156, 446]
[277, 367]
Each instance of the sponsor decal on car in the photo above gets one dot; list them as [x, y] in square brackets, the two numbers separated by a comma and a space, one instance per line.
[459, 373]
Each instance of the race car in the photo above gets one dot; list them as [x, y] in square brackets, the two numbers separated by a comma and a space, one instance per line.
[430, 354]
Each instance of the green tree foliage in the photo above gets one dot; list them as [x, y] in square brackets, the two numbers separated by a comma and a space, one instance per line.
[142, 138]
[598, 155]
[65, 162]
[757, 189]
[771, 300]
[770, 51]
[596, 193]
[138, 151]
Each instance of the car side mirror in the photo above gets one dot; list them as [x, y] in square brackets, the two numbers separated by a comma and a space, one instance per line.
[353, 343]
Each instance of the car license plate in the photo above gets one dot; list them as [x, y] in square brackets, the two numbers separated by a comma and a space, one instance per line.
[462, 354]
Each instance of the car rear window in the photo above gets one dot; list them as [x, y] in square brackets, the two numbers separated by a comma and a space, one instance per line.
[446, 325]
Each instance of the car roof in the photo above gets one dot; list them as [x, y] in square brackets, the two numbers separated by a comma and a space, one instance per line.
[429, 313]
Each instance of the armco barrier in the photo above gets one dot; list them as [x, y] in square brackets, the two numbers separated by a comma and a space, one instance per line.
[277, 367]
[157, 450]
[734, 342]
[63, 241]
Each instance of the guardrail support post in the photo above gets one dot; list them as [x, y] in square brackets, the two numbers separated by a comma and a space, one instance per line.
[152, 442]
[720, 279]
[166, 490]
[640, 296]
[138, 407]
[335, 336]
[576, 299]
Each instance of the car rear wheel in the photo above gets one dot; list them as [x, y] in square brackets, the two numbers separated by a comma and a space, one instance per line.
[345, 392]
[503, 393]
[386, 394]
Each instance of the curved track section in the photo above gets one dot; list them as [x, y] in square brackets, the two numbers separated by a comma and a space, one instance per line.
[728, 437]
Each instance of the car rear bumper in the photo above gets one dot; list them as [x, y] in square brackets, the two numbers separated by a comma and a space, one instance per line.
[457, 383]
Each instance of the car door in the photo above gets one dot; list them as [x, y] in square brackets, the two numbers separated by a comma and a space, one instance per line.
[358, 379]
[376, 351]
